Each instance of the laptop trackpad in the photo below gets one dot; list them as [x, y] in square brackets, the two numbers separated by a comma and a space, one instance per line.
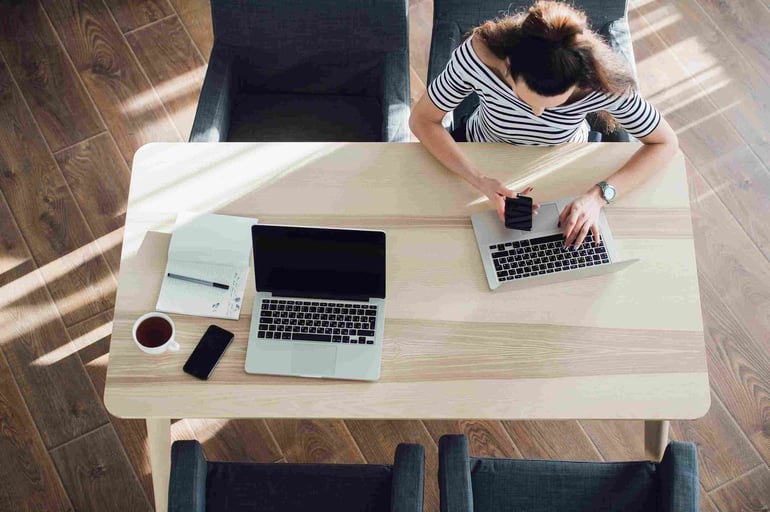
[547, 218]
[311, 360]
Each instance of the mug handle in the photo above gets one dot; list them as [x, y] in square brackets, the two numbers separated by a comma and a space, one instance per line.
[173, 346]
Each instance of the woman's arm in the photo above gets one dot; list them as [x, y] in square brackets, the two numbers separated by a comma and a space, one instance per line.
[582, 214]
[425, 123]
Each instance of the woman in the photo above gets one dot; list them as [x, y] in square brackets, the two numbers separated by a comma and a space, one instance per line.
[537, 75]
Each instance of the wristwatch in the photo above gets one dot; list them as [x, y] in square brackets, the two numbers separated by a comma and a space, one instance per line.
[608, 191]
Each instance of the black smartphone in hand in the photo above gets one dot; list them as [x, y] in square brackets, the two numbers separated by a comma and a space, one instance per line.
[207, 353]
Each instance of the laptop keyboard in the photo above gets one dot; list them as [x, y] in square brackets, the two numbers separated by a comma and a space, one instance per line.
[544, 255]
[334, 322]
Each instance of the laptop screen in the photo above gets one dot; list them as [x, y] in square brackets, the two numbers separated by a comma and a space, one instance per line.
[319, 262]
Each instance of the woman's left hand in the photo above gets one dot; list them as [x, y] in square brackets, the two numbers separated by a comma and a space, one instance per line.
[582, 215]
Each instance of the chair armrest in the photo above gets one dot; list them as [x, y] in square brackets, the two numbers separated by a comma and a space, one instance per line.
[395, 97]
[679, 478]
[187, 483]
[406, 493]
[212, 118]
[454, 474]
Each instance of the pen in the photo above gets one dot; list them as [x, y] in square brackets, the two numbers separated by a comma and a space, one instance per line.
[199, 281]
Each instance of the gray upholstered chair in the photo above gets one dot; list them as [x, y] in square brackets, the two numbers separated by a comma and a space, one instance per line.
[292, 70]
[470, 484]
[197, 485]
[453, 18]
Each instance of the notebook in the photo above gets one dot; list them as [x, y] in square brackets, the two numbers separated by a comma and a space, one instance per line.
[212, 248]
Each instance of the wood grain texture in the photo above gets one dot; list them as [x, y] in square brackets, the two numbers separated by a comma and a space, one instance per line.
[476, 341]
[174, 67]
[131, 14]
[616, 440]
[41, 357]
[16, 261]
[731, 263]
[236, 440]
[98, 177]
[744, 25]
[703, 133]
[315, 441]
[97, 474]
[724, 452]
[116, 83]
[749, 493]
[92, 339]
[556, 440]
[742, 182]
[729, 93]
[47, 214]
[59, 102]
[378, 440]
[737, 366]
[486, 438]
[29, 478]
[706, 504]
[196, 16]
[735, 85]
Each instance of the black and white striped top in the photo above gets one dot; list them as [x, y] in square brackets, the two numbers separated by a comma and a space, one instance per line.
[503, 117]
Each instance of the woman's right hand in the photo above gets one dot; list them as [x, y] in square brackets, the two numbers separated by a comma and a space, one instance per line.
[497, 192]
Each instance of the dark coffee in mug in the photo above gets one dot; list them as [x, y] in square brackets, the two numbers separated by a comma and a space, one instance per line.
[153, 332]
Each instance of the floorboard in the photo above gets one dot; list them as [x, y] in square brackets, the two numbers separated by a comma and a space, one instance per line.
[724, 452]
[99, 178]
[485, 438]
[92, 339]
[132, 14]
[97, 473]
[733, 80]
[48, 216]
[30, 481]
[315, 441]
[738, 370]
[130, 107]
[174, 67]
[196, 16]
[616, 440]
[559, 440]
[749, 493]
[48, 81]
[41, 357]
[236, 440]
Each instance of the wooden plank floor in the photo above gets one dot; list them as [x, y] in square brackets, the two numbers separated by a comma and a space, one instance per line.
[83, 84]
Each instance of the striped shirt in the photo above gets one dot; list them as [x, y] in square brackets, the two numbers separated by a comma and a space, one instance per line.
[502, 117]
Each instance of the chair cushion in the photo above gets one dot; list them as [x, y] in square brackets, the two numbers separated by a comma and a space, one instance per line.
[305, 118]
[535, 486]
[237, 487]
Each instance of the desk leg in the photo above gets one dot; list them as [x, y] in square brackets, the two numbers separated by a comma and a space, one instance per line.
[159, 438]
[655, 439]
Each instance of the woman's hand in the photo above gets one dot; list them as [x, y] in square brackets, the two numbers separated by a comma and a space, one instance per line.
[497, 192]
[581, 215]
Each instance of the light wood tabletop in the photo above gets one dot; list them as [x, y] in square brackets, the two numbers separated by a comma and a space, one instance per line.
[622, 346]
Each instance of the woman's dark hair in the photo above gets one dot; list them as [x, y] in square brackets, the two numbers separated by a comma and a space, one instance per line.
[551, 48]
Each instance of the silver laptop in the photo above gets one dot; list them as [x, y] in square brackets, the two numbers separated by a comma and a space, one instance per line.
[320, 302]
[519, 259]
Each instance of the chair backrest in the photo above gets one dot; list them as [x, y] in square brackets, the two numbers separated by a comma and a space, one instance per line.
[299, 28]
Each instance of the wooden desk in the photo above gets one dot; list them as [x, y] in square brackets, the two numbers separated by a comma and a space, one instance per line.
[624, 346]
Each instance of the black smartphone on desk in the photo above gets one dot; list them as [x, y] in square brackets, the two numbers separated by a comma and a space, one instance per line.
[207, 353]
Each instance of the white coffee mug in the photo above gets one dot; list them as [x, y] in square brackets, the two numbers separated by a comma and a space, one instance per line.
[170, 343]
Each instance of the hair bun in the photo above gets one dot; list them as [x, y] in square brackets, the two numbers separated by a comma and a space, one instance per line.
[555, 22]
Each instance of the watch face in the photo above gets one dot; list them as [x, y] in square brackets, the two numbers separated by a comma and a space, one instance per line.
[609, 193]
